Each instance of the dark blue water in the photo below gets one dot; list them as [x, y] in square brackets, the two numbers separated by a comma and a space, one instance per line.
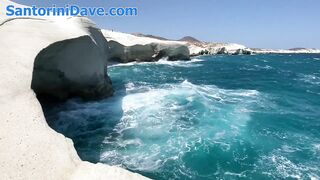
[216, 117]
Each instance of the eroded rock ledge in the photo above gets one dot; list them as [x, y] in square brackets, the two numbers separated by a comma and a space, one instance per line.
[147, 52]
[126, 48]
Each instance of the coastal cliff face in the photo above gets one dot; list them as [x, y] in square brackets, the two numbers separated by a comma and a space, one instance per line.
[73, 67]
[127, 48]
[124, 54]
[33, 51]
[173, 52]
[139, 47]
[205, 48]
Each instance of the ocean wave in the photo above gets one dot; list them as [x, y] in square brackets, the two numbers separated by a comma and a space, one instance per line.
[190, 63]
[164, 61]
[126, 64]
[278, 166]
[161, 124]
[263, 67]
[310, 79]
[256, 68]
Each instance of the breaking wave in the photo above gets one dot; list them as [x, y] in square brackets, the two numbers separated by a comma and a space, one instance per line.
[164, 61]
[160, 126]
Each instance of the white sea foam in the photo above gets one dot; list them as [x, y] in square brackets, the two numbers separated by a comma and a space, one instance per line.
[285, 167]
[125, 64]
[165, 61]
[279, 165]
[316, 148]
[180, 63]
[263, 67]
[310, 79]
[164, 123]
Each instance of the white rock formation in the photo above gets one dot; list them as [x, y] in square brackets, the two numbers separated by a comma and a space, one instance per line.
[214, 48]
[29, 148]
[200, 48]
[196, 50]
[127, 47]
[130, 40]
[134, 46]
[284, 51]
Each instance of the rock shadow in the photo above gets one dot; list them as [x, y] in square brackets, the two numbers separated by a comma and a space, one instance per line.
[87, 123]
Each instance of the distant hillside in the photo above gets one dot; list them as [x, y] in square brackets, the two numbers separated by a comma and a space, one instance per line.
[300, 48]
[190, 39]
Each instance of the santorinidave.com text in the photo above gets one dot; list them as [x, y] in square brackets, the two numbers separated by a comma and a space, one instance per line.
[70, 10]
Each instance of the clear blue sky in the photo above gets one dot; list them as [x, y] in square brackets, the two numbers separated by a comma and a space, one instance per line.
[254, 23]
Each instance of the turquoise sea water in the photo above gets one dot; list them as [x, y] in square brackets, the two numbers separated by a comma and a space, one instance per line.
[215, 117]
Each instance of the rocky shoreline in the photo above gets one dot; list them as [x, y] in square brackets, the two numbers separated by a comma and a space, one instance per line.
[125, 48]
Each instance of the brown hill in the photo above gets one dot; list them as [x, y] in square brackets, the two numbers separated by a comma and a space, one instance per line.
[190, 39]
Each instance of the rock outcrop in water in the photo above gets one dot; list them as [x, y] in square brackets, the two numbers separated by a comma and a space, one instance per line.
[215, 48]
[172, 51]
[124, 54]
[68, 53]
[127, 48]
[242, 52]
[222, 51]
[73, 67]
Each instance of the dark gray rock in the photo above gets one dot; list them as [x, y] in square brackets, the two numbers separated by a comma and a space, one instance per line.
[222, 51]
[173, 52]
[242, 52]
[147, 53]
[73, 67]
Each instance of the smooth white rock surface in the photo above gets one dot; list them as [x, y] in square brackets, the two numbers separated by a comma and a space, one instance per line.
[29, 148]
